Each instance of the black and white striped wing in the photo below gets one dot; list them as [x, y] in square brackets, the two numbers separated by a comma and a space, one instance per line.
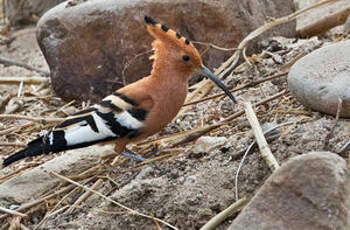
[115, 117]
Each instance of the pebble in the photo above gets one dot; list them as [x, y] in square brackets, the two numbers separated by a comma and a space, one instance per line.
[206, 143]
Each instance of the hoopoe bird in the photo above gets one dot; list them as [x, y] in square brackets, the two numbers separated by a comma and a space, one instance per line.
[136, 111]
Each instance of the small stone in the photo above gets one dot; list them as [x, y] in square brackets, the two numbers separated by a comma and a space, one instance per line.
[278, 59]
[270, 62]
[14, 206]
[174, 174]
[144, 173]
[191, 180]
[206, 143]
[205, 214]
[243, 125]
[321, 77]
[309, 192]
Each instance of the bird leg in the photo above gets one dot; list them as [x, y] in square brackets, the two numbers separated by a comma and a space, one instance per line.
[132, 155]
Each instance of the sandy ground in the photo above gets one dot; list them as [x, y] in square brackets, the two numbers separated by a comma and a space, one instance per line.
[186, 188]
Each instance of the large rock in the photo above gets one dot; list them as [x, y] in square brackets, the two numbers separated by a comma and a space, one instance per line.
[309, 18]
[88, 45]
[323, 76]
[309, 192]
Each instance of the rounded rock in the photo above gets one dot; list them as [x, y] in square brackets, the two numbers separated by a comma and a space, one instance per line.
[320, 78]
[310, 192]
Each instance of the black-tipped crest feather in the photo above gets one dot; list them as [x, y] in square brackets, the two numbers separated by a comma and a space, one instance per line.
[150, 20]
[164, 28]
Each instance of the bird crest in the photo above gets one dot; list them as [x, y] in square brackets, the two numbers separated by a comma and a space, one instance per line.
[168, 43]
[166, 35]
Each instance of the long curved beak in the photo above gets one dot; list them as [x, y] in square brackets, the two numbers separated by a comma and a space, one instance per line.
[206, 72]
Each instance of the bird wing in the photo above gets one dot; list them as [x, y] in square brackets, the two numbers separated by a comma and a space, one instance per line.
[116, 116]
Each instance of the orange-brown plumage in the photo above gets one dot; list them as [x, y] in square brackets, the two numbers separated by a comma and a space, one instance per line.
[136, 111]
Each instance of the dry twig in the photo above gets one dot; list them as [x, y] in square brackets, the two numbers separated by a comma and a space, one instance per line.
[15, 223]
[62, 108]
[86, 195]
[12, 144]
[49, 215]
[8, 62]
[345, 148]
[14, 129]
[38, 119]
[40, 200]
[12, 212]
[54, 210]
[25, 80]
[157, 224]
[213, 46]
[260, 138]
[216, 220]
[231, 62]
[330, 134]
[272, 133]
[12, 19]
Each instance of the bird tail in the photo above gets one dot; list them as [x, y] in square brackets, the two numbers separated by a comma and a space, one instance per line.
[57, 141]
[35, 148]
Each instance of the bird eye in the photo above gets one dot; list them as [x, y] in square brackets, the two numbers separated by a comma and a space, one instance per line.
[186, 58]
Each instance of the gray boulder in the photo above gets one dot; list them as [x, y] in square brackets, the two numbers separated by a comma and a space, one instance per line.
[309, 192]
[323, 76]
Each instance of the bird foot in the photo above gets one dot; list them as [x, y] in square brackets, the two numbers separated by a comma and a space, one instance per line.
[131, 155]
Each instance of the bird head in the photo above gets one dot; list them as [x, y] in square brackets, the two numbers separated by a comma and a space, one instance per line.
[177, 52]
